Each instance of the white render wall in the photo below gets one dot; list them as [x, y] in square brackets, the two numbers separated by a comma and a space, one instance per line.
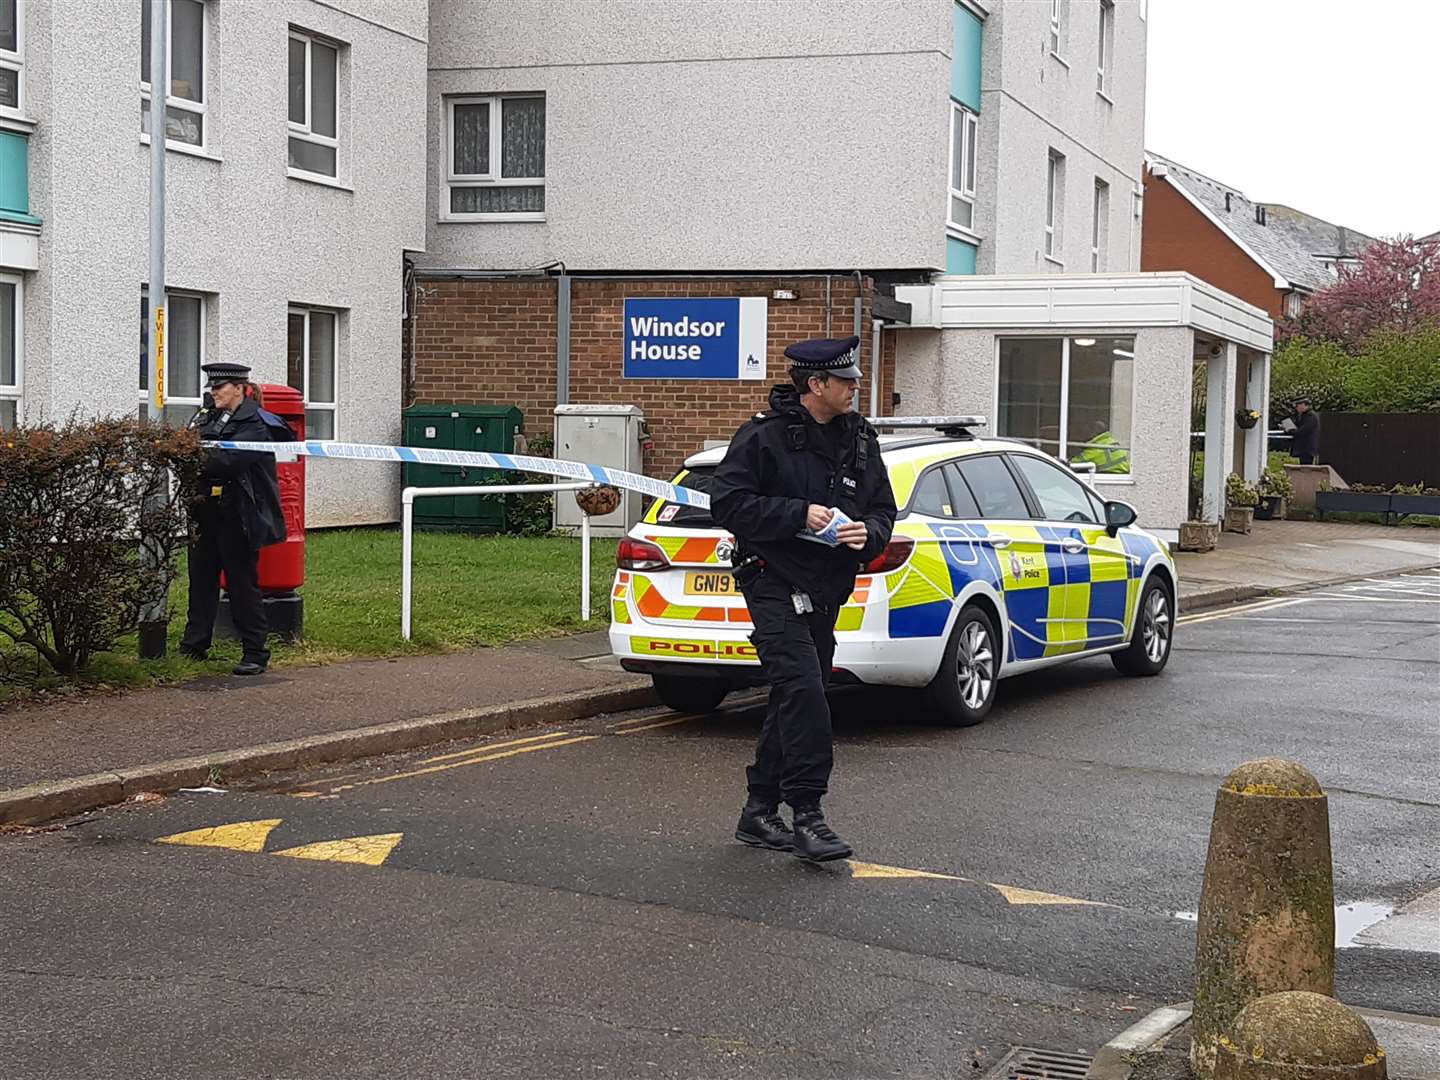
[1031, 103]
[951, 372]
[693, 135]
[238, 227]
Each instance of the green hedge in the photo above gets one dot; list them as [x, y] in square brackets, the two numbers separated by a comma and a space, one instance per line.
[1392, 373]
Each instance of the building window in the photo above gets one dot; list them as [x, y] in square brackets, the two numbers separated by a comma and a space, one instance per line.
[310, 367]
[185, 107]
[184, 353]
[11, 350]
[964, 127]
[1054, 204]
[1071, 397]
[1107, 47]
[1294, 304]
[1055, 16]
[495, 158]
[1100, 229]
[12, 54]
[313, 109]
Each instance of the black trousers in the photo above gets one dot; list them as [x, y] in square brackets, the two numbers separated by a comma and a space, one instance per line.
[795, 754]
[221, 545]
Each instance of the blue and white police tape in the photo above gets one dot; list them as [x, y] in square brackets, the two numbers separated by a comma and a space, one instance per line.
[420, 455]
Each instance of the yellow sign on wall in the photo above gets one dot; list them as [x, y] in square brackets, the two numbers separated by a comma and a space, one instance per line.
[157, 384]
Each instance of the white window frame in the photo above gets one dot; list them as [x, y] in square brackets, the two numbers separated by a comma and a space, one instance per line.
[16, 391]
[303, 131]
[1056, 33]
[493, 178]
[1064, 437]
[184, 104]
[15, 61]
[968, 150]
[332, 407]
[203, 334]
[1099, 229]
[1054, 231]
[1106, 57]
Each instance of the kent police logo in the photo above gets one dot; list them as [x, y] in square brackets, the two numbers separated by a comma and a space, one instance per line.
[1015, 566]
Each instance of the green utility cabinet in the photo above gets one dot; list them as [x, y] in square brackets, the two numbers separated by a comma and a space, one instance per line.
[490, 428]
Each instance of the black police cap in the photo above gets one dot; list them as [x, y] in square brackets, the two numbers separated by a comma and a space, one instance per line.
[218, 373]
[827, 356]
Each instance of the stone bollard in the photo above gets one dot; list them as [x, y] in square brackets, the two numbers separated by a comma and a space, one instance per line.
[1267, 908]
[1298, 1035]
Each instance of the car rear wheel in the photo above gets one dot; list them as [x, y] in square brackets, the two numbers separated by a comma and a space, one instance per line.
[1149, 648]
[964, 688]
[687, 693]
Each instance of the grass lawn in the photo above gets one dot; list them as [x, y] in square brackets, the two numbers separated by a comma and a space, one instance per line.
[469, 591]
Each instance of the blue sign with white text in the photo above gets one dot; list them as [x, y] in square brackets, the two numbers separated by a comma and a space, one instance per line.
[695, 338]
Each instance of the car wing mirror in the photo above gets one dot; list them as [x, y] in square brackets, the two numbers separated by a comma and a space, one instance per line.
[1118, 515]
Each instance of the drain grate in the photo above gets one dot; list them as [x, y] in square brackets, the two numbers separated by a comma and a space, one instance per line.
[1029, 1063]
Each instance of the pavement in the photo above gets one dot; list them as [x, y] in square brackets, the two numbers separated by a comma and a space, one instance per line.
[89, 749]
[568, 901]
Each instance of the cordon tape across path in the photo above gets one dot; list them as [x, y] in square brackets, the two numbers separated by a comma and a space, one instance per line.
[419, 455]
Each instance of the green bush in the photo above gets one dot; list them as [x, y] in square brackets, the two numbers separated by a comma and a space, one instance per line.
[1239, 493]
[531, 514]
[1392, 372]
[73, 505]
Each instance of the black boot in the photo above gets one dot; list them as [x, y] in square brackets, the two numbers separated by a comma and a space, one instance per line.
[762, 826]
[815, 841]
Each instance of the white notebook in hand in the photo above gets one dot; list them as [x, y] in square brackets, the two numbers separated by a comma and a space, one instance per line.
[828, 535]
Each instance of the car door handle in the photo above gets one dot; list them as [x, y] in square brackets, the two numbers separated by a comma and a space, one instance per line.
[1073, 546]
[999, 540]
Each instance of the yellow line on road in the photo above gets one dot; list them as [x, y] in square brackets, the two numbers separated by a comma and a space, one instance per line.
[239, 836]
[1263, 605]
[459, 764]
[487, 747]
[363, 850]
[652, 727]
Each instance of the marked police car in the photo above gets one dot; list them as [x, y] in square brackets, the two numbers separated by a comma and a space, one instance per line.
[1002, 561]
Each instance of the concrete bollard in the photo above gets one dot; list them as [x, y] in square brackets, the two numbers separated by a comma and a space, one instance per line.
[1298, 1035]
[1267, 908]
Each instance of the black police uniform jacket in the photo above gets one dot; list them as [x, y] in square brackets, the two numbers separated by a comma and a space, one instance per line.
[1305, 440]
[777, 465]
[249, 490]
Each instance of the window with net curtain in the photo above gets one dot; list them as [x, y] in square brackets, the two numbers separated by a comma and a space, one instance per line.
[1071, 397]
[184, 353]
[497, 155]
[310, 368]
[9, 354]
[185, 112]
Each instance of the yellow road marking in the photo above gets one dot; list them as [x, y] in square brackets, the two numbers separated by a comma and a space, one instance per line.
[652, 727]
[365, 850]
[486, 748]
[240, 836]
[877, 870]
[458, 764]
[1263, 605]
[1030, 896]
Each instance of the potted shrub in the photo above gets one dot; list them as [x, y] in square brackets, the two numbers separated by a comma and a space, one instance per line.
[1247, 418]
[1240, 502]
[1198, 535]
[1275, 491]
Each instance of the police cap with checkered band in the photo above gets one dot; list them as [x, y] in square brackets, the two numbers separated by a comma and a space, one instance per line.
[827, 356]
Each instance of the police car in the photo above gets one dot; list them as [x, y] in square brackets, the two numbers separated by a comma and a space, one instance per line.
[1002, 561]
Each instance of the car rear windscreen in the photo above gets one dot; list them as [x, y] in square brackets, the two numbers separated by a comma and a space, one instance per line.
[689, 517]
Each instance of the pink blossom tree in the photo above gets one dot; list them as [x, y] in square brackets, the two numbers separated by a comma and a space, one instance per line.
[1396, 287]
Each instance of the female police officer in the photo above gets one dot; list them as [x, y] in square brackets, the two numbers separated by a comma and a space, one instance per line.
[237, 511]
[783, 472]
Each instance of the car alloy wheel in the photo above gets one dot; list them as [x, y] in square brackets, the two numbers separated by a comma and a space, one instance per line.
[975, 664]
[1155, 626]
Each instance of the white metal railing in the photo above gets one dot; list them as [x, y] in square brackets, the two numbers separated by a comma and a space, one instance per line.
[407, 526]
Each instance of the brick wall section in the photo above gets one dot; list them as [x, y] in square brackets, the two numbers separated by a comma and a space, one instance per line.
[494, 341]
[1177, 236]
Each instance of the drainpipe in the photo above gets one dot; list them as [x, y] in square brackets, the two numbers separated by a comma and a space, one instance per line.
[859, 307]
[828, 331]
[562, 340]
[875, 373]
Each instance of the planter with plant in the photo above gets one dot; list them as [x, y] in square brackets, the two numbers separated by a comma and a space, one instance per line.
[1247, 418]
[1275, 492]
[1240, 502]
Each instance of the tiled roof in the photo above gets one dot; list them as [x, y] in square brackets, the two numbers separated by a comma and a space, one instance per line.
[1290, 242]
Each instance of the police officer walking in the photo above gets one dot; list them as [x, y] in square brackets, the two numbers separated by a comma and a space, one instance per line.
[784, 474]
[237, 511]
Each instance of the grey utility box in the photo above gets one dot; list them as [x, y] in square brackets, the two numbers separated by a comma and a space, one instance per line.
[608, 435]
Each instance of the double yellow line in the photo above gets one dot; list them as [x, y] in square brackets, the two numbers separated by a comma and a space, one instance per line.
[1242, 609]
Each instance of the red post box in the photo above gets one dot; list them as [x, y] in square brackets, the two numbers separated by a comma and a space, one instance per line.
[282, 565]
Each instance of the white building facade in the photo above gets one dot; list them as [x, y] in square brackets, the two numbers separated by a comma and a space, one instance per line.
[287, 223]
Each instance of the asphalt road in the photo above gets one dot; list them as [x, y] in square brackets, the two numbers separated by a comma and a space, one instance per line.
[569, 902]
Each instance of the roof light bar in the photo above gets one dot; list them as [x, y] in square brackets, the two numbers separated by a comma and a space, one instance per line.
[957, 427]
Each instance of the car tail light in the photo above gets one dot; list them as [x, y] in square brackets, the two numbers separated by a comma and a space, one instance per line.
[639, 555]
[893, 557]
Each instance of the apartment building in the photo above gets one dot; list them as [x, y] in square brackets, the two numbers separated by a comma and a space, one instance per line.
[287, 223]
